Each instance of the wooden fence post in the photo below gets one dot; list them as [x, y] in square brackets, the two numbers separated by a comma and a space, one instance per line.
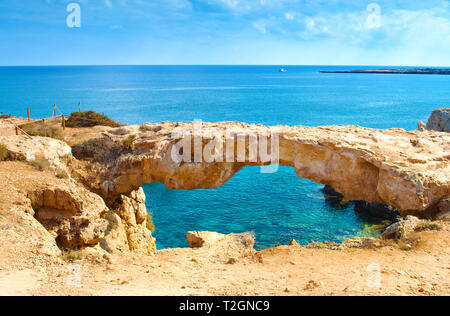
[63, 123]
[79, 107]
[28, 110]
[54, 109]
[17, 130]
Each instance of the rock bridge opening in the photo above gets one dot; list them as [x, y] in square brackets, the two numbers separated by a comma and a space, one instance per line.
[392, 167]
[407, 170]
[277, 207]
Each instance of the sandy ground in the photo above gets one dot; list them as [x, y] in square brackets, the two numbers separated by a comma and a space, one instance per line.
[71, 135]
[8, 126]
[28, 268]
[286, 270]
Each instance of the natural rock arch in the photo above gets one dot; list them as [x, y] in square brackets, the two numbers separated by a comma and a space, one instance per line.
[408, 170]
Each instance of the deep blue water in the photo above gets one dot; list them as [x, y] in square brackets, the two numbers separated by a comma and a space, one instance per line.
[278, 207]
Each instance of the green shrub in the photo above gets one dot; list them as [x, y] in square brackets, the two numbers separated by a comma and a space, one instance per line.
[128, 142]
[150, 225]
[5, 116]
[4, 154]
[62, 175]
[71, 255]
[89, 119]
[44, 130]
[40, 164]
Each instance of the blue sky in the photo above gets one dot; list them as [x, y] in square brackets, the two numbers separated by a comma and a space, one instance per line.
[277, 32]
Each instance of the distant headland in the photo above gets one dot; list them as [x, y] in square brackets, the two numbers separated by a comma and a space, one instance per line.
[415, 71]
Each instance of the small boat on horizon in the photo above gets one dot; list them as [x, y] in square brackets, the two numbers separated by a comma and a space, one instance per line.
[283, 70]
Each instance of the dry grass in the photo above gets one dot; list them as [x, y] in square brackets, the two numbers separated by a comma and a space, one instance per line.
[62, 175]
[40, 164]
[44, 130]
[428, 225]
[71, 255]
[101, 150]
[128, 142]
[4, 154]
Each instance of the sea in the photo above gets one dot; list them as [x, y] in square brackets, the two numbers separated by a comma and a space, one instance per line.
[277, 207]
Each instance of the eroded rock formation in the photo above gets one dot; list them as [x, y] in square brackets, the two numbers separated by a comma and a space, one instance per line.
[128, 225]
[407, 226]
[50, 154]
[73, 216]
[439, 120]
[407, 170]
[227, 248]
[99, 203]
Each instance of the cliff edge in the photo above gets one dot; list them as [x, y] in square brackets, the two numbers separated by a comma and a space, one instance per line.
[439, 120]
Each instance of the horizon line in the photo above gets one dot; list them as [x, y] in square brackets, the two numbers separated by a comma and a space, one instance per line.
[243, 65]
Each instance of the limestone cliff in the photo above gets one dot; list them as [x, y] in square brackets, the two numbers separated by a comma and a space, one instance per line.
[439, 120]
[73, 216]
[407, 170]
[128, 225]
[95, 199]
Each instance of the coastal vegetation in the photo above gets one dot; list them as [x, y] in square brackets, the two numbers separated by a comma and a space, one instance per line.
[101, 150]
[71, 255]
[150, 225]
[128, 142]
[62, 175]
[40, 164]
[44, 130]
[428, 225]
[90, 119]
[3, 152]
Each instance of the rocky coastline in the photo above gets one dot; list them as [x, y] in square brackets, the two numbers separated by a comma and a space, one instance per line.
[439, 120]
[418, 71]
[82, 196]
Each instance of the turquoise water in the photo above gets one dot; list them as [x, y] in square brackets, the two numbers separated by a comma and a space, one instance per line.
[278, 207]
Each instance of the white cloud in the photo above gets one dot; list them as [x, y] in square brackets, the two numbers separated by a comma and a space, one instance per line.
[310, 24]
[260, 26]
[108, 3]
[289, 16]
[231, 3]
